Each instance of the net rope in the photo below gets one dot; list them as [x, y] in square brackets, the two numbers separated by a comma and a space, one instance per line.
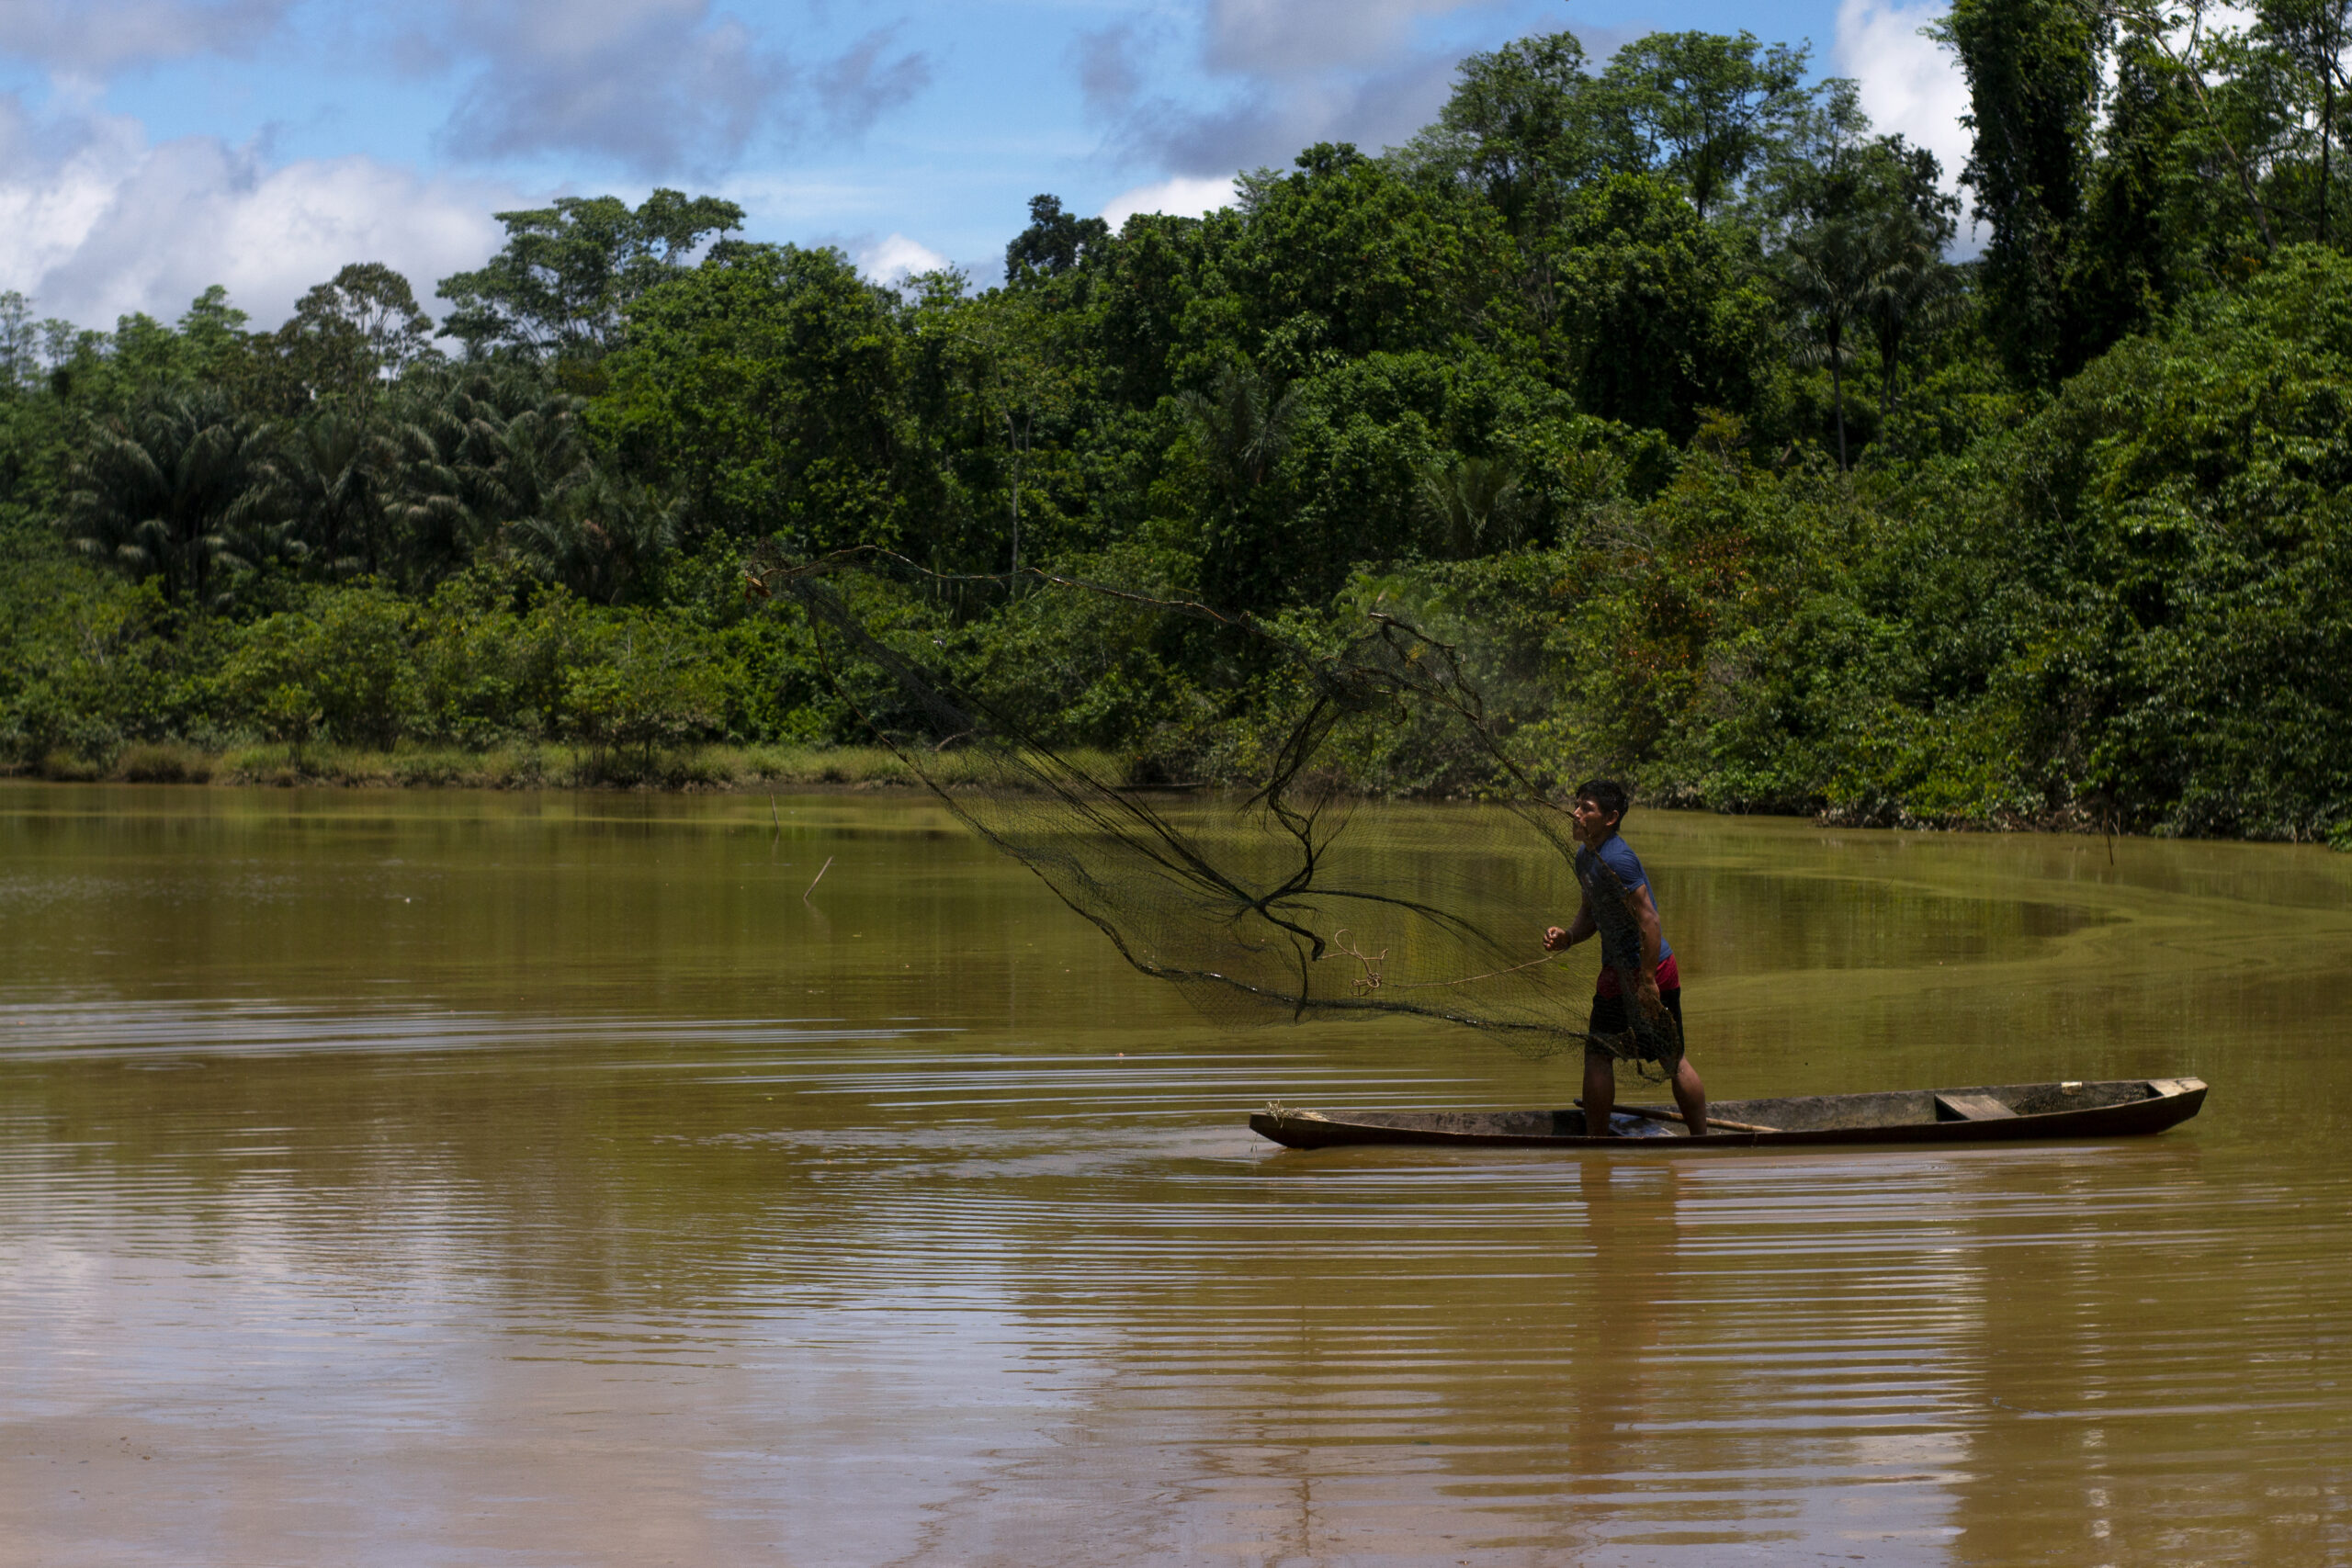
[1276, 899]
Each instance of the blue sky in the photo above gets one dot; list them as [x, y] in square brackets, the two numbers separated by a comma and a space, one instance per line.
[149, 148]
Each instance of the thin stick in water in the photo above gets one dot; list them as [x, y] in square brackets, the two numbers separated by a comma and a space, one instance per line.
[819, 877]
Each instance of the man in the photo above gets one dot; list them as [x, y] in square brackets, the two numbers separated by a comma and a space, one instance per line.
[1599, 807]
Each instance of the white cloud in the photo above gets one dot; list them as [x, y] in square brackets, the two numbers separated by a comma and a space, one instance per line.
[1909, 84]
[93, 36]
[652, 85]
[1183, 197]
[97, 222]
[1282, 37]
[1285, 73]
[895, 259]
[661, 87]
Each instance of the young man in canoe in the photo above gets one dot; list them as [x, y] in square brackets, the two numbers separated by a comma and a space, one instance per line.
[1632, 944]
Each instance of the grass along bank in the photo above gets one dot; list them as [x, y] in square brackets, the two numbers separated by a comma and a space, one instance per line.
[524, 765]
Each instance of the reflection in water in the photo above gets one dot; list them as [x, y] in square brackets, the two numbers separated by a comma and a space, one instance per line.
[395, 1179]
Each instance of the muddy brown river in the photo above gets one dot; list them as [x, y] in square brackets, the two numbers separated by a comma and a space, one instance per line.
[446, 1178]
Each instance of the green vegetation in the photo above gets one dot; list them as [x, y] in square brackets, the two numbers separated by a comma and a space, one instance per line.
[1652, 378]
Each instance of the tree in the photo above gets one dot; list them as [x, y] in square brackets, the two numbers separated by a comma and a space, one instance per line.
[1524, 126]
[479, 446]
[2137, 246]
[19, 342]
[1826, 274]
[766, 384]
[346, 341]
[1872, 221]
[1913, 291]
[601, 540]
[212, 337]
[327, 477]
[1661, 313]
[641, 683]
[2181, 506]
[170, 491]
[1242, 422]
[2033, 78]
[343, 662]
[562, 285]
[1473, 506]
[1714, 107]
[372, 306]
[2242, 133]
[1054, 243]
[1163, 307]
[1018, 357]
[2311, 37]
[1347, 256]
[1240, 425]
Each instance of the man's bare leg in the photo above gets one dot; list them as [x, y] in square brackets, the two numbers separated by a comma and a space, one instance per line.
[1689, 1096]
[1599, 1094]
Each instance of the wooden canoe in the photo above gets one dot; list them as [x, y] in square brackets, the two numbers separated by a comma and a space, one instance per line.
[1994, 1114]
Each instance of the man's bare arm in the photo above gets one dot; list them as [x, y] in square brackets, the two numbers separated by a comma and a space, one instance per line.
[1644, 910]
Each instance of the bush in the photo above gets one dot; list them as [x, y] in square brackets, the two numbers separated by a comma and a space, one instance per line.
[340, 666]
[163, 762]
[64, 767]
[415, 768]
[641, 685]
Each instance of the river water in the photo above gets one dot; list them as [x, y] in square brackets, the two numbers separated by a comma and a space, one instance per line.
[419, 1179]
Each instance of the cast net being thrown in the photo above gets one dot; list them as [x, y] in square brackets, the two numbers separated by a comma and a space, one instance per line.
[1276, 899]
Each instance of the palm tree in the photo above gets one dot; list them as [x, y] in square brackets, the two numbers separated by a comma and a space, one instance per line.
[1242, 425]
[531, 464]
[1473, 504]
[1826, 275]
[328, 480]
[425, 514]
[1912, 289]
[173, 491]
[603, 535]
[481, 447]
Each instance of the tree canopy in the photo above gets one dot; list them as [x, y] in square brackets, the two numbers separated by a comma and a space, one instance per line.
[1655, 378]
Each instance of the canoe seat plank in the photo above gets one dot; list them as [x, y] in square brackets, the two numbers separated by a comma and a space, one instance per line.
[1970, 1108]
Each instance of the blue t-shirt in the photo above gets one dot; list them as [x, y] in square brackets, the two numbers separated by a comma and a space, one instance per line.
[1619, 856]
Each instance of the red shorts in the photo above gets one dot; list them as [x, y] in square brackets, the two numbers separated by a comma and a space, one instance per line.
[1668, 978]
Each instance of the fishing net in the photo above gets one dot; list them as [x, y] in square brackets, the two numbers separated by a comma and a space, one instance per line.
[1277, 899]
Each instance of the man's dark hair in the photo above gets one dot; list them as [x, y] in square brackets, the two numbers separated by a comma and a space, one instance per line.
[1608, 794]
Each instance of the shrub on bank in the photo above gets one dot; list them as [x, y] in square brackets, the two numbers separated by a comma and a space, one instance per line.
[166, 761]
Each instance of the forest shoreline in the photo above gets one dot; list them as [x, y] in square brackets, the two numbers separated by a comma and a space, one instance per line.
[677, 770]
[1701, 461]
[756, 770]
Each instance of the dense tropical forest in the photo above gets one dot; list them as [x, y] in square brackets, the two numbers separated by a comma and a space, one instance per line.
[1653, 376]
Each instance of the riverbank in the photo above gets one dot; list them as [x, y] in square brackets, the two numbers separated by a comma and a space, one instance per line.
[525, 765]
[683, 769]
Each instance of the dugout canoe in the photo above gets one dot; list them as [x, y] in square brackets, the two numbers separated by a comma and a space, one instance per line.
[1996, 1113]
